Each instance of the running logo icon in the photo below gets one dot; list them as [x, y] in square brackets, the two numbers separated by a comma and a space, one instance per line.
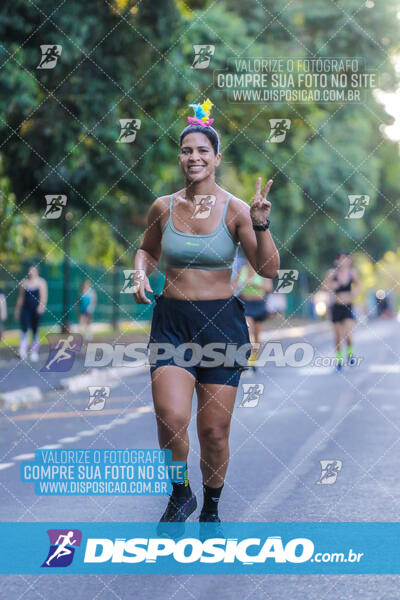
[62, 547]
[279, 129]
[129, 127]
[357, 207]
[54, 206]
[286, 280]
[251, 394]
[330, 469]
[97, 397]
[50, 55]
[62, 352]
[133, 279]
[202, 55]
[203, 206]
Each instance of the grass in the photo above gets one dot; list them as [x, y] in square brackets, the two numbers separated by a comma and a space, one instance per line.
[11, 338]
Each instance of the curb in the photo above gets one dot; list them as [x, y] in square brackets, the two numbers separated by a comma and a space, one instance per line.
[78, 383]
[17, 398]
[297, 331]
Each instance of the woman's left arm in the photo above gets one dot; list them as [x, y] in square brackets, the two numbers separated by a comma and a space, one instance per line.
[258, 246]
[43, 293]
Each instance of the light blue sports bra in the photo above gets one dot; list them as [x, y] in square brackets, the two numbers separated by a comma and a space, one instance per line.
[211, 251]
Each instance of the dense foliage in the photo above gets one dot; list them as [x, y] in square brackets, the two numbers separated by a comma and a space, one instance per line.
[124, 59]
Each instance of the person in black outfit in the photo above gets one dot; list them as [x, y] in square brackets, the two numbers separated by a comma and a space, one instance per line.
[343, 282]
[31, 304]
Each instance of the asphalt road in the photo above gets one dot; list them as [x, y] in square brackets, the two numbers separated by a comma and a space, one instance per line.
[303, 416]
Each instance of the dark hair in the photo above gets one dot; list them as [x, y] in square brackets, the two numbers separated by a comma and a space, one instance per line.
[340, 253]
[209, 132]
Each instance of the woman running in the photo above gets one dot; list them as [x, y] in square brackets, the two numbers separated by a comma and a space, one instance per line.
[197, 305]
[344, 283]
[253, 290]
[31, 304]
[87, 304]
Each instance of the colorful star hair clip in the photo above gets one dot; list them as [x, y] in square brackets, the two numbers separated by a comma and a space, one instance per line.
[201, 114]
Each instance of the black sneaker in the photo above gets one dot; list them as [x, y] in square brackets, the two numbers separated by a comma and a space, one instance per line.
[172, 522]
[210, 526]
[351, 361]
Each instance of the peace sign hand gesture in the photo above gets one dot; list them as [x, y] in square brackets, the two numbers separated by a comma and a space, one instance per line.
[261, 207]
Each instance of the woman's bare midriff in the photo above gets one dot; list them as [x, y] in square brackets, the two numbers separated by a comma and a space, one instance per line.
[343, 298]
[198, 284]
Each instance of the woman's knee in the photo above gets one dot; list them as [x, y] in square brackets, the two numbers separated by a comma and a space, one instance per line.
[214, 437]
[172, 420]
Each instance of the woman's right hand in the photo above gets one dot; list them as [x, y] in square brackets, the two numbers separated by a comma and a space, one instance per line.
[140, 296]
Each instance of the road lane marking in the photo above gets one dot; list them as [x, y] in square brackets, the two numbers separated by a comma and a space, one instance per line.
[22, 395]
[134, 414]
[95, 377]
[5, 466]
[145, 409]
[72, 413]
[385, 368]
[307, 371]
[28, 456]
[50, 447]
[316, 371]
[297, 331]
[389, 391]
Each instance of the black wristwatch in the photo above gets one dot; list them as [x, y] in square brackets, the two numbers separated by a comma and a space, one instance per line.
[262, 227]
